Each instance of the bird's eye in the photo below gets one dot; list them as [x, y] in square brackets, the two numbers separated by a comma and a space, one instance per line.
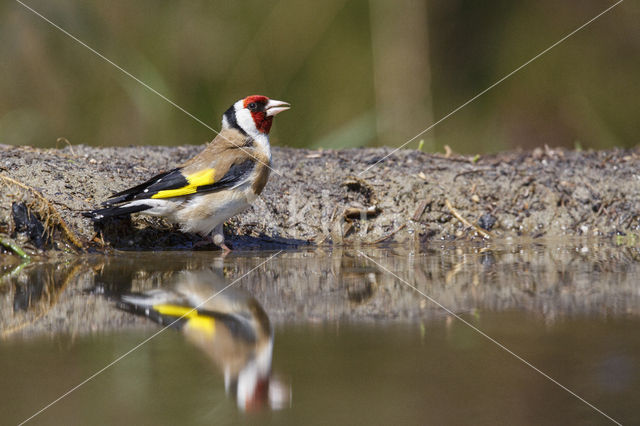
[253, 106]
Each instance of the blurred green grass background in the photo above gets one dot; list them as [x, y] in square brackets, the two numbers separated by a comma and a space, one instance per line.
[358, 73]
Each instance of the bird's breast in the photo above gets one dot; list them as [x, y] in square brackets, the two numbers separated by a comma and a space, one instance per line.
[203, 213]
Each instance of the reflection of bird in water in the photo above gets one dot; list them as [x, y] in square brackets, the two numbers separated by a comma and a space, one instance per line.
[231, 328]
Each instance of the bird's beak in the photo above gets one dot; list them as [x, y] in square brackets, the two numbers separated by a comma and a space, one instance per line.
[275, 107]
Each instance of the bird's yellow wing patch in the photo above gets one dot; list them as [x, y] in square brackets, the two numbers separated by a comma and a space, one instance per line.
[175, 310]
[203, 323]
[194, 180]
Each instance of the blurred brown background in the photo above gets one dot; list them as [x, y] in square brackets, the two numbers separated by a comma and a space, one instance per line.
[358, 73]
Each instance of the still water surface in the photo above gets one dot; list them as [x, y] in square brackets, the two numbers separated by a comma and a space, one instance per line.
[352, 344]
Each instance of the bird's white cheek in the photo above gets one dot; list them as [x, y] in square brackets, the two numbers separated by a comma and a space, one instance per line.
[245, 121]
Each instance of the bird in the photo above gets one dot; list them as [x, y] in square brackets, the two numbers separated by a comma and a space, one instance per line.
[230, 327]
[215, 185]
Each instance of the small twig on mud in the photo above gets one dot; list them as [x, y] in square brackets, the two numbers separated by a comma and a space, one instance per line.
[465, 221]
[97, 240]
[459, 159]
[351, 213]
[324, 238]
[418, 213]
[52, 211]
[633, 216]
[605, 204]
[435, 169]
[346, 231]
[468, 172]
[389, 235]
[14, 248]
[65, 140]
[333, 214]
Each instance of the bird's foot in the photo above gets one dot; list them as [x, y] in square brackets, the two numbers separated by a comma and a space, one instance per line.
[209, 241]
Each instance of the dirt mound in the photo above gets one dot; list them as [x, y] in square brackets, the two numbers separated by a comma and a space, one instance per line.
[327, 197]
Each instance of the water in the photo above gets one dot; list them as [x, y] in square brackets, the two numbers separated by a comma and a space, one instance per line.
[352, 344]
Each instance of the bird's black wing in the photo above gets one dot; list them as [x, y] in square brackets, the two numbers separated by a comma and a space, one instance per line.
[167, 180]
[176, 183]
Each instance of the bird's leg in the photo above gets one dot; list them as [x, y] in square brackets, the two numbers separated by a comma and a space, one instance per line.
[217, 236]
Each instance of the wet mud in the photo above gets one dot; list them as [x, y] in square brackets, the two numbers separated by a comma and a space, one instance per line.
[327, 198]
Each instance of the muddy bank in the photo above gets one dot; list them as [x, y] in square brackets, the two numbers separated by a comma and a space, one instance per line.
[327, 197]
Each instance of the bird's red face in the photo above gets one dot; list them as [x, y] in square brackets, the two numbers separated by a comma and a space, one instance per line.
[253, 115]
[256, 106]
[262, 110]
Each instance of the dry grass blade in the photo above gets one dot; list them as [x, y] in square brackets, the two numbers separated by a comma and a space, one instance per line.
[465, 221]
[47, 209]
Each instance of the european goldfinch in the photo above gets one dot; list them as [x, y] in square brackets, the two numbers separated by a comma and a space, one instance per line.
[231, 327]
[220, 182]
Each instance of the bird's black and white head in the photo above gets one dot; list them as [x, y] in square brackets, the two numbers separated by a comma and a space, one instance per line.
[253, 115]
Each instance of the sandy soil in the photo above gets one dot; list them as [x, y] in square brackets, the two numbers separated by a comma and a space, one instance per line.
[324, 197]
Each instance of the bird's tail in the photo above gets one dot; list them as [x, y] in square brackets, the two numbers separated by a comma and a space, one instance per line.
[114, 211]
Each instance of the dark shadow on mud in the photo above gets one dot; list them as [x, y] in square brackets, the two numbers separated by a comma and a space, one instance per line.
[155, 235]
